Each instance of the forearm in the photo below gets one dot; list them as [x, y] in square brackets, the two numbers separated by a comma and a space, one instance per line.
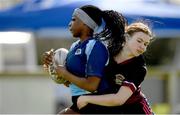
[117, 99]
[83, 83]
[79, 81]
[103, 100]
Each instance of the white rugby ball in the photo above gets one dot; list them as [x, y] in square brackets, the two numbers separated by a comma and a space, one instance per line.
[60, 56]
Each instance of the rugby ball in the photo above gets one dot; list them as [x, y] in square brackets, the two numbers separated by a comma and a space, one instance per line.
[60, 55]
[59, 58]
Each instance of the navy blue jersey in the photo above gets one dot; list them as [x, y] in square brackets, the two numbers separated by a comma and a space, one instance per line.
[87, 59]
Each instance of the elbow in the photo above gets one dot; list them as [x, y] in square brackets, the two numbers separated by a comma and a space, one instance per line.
[92, 89]
[91, 84]
[116, 101]
[88, 88]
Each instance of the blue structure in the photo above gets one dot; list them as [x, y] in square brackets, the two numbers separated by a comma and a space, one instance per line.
[34, 15]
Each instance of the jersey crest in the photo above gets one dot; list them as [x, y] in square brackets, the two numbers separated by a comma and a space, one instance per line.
[78, 52]
[119, 79]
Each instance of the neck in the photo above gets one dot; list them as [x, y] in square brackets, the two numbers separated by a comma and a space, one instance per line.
[123, 55]
[85, 35]
[84, 38]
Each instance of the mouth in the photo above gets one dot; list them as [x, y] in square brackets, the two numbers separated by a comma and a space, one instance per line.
[139, 51]
[70, 30]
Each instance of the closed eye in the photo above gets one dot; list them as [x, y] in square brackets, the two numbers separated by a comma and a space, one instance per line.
[139, 40]
[73, 19]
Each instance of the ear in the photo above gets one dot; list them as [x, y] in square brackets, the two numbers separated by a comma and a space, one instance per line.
[124, 44]
[127, 36]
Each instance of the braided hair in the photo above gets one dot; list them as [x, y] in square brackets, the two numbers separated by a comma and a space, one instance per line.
[114, 31]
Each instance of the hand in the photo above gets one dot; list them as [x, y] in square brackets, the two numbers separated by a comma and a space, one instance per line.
[67, 83]
[45, 67]
[82, 102]
[61, 70]
[47, 58]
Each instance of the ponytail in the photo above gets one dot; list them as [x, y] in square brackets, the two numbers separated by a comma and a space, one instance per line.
[114, 29]
[113, 32]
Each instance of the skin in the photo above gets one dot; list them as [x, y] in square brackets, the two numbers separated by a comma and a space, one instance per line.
[135, 46]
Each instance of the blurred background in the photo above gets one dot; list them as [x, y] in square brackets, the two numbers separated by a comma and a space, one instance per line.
[30, 27]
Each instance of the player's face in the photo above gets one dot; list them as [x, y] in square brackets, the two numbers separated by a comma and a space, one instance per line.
[138, 43]
[76, 26]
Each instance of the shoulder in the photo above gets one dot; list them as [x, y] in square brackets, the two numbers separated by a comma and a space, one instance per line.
[99, 43]
[96, 48]
[141, 64]
[137, 65]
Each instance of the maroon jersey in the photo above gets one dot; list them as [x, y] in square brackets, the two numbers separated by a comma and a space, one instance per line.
[130, 73]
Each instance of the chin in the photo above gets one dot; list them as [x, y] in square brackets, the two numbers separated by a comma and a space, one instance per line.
[137, 54]
[75, 35]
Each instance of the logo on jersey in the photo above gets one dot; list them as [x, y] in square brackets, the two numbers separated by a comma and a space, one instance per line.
[119, 79]
[78, 52]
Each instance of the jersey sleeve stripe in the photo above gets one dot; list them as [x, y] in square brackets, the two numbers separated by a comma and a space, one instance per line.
[89, 47]
[130, 85]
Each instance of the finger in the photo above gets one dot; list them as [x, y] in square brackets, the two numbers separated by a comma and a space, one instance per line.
[52, 51]
[48, 53]
[46, 59]
[45, 67]
[67, 83]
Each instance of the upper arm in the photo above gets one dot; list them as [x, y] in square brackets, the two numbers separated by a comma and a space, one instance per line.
[135, 78]
[97, 58]
[139, 75]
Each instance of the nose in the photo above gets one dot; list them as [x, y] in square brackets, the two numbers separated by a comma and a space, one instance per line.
[70, 24]
[143, 48]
